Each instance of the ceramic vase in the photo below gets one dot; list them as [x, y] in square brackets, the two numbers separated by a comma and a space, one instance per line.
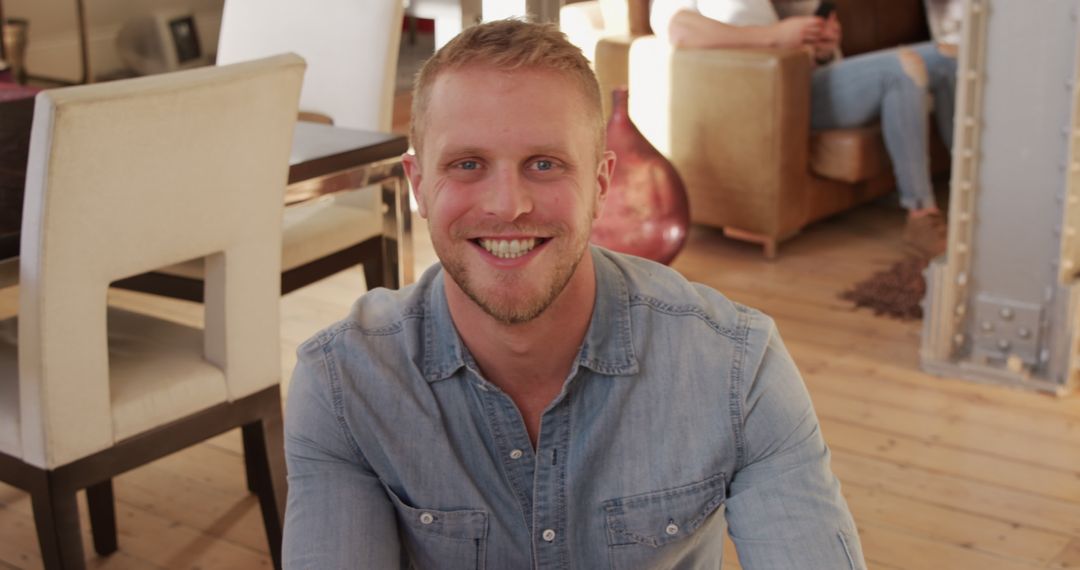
[646, 212]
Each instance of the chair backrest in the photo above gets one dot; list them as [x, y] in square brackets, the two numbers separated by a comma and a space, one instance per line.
[871, 25]
[351, 48]
[128, 176]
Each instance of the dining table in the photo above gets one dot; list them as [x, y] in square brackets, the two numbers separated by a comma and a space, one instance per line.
[324, 159]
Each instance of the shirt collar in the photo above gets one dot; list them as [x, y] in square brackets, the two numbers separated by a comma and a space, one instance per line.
[609, 346]
[444, 352]
[607, 349]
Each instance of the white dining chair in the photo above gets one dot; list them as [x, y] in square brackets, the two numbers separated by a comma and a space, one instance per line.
[351, 48]
[124, 177]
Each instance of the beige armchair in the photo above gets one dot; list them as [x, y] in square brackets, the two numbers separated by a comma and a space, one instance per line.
[736, 124]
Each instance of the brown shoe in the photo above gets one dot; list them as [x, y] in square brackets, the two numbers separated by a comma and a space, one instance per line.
[926, 235]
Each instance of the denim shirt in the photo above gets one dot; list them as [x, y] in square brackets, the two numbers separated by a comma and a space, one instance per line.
[682, 416]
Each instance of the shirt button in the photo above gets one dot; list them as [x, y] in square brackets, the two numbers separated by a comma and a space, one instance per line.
[426, 518]
[672, 528]
[548, 535]
[516, 454]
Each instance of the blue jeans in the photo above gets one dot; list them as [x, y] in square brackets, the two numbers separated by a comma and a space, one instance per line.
[859, 90]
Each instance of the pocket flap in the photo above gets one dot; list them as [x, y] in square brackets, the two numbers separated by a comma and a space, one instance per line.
[458, 523]
[655, 519]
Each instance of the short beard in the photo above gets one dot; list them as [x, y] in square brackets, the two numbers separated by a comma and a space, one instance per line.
[516, 315]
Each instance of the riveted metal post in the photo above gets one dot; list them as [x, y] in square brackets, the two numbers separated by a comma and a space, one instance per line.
[1002, 305]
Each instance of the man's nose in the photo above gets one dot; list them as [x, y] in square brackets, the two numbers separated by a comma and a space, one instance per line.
[508, 197]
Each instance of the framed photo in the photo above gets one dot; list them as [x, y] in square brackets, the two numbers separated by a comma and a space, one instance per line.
[185, 38]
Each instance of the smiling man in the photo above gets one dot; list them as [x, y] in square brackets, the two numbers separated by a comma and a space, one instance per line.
[534, 402]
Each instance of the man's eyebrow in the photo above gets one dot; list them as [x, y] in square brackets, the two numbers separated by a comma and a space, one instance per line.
[551, 149]
[542, 149]
[461, 151]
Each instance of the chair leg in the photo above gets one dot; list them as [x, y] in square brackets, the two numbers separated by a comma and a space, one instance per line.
[251, 470]
[769, 243]
[56, 516]
[376, 272]
[264, 454]
[102, 506]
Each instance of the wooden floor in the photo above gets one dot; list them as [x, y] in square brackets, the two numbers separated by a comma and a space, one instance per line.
[940, 474]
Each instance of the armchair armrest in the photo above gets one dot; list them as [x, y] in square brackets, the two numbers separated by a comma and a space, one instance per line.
[611, 65]
[736, 125]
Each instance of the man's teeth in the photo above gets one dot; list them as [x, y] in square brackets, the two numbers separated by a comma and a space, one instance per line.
[508, 249]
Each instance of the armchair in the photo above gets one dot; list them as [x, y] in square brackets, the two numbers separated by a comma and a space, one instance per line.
[736, 124]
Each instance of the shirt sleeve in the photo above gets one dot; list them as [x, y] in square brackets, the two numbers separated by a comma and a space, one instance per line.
[785, 510]
[338, 515]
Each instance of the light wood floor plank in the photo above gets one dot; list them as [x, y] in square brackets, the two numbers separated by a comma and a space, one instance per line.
[988, 501]
[1069, 556]
[934, 429]
[958, 528]
[1039, 481]
[888, 384]
[888, 546]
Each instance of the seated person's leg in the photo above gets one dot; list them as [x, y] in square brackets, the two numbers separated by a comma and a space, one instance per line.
[885, 85]
[849, 93]
[891, 86]
[940, 62]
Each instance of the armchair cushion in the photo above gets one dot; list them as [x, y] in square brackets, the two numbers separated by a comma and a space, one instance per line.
[849, 155]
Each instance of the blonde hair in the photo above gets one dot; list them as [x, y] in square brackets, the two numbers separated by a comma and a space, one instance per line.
[509, 45]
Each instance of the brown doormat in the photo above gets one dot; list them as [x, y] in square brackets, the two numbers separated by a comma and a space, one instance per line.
[895, 292]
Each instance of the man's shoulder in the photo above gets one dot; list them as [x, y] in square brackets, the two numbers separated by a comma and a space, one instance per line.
[378, 313]
[666, 291]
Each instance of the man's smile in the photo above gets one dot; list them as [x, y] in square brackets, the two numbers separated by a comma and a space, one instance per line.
[509, 248]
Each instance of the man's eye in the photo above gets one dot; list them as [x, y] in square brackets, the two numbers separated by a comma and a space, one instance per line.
[468, 165]
[543, 165]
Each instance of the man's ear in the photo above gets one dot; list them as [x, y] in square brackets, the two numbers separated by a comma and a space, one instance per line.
[413, 172]
[604, 171]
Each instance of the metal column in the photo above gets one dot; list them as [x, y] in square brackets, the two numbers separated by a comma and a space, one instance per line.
[1003, 304]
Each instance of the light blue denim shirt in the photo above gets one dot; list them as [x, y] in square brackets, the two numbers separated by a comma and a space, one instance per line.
[682, 415]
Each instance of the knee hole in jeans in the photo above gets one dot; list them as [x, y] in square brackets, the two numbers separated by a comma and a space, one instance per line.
[948, 50]
[913, 65]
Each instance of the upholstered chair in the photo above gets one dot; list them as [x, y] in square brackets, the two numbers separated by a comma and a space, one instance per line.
[124, 177]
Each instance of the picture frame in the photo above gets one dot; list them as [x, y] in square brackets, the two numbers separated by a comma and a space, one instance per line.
[185, 38]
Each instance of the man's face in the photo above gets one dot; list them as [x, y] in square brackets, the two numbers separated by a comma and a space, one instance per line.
[509, 182]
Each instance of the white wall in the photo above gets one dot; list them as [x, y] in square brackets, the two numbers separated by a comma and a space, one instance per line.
[53, 47]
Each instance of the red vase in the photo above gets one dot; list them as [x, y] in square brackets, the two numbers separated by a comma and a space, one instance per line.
[646, 211]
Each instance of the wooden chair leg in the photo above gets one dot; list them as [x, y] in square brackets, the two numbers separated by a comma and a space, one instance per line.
[99, 499]
[375, 272]
[251, 441]
[56, 516]
[770, 248]
[264, 449]
[768, 243]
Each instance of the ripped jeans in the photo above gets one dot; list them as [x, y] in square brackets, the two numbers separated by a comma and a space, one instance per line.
[883, 85]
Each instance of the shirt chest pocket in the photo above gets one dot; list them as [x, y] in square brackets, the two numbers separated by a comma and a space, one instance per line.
[433, 538]
[661, 529]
